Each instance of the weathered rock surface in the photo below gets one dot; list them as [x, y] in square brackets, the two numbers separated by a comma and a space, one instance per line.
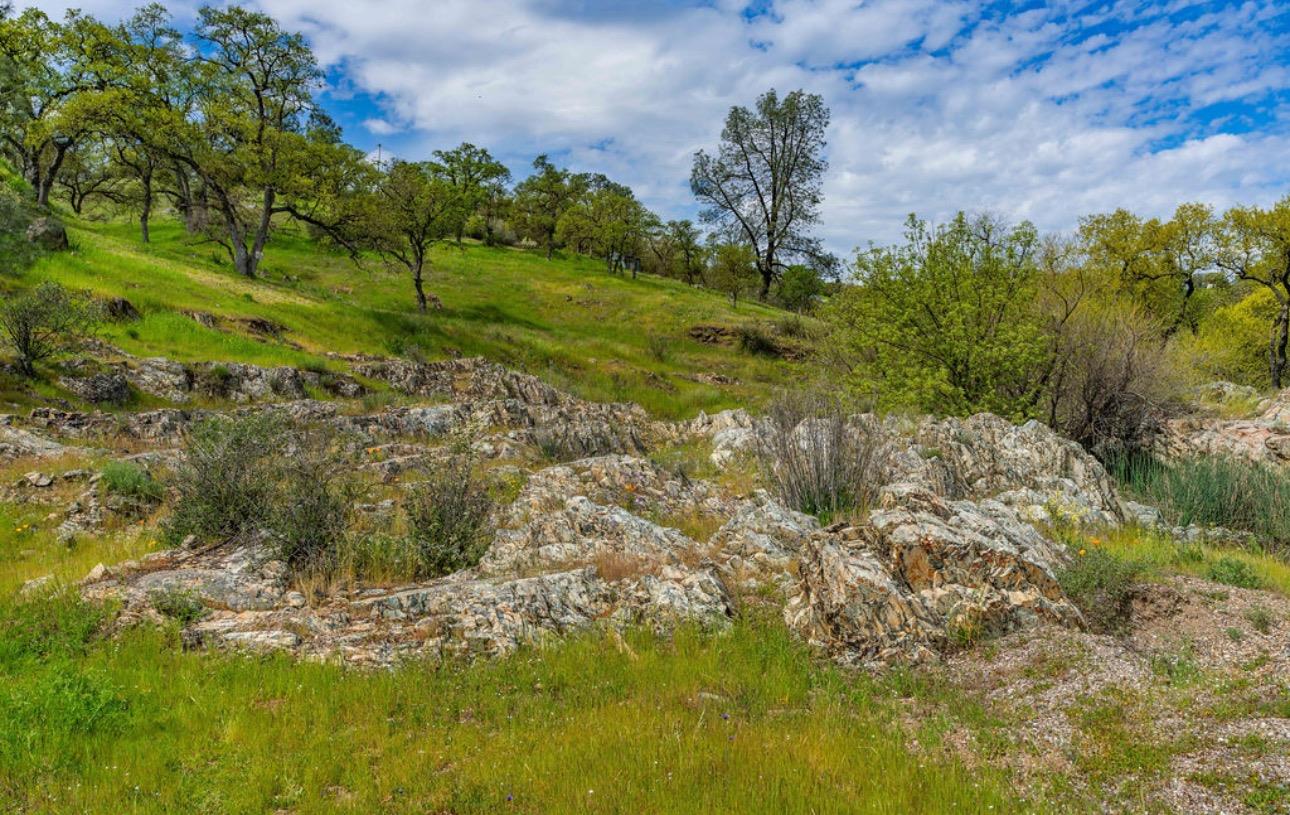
[18, 443]
[921, 573]
[1264, 438]
[103, 388]
[49, 234]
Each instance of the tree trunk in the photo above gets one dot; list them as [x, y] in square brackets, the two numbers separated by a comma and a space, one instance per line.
[145, 212]
[242, 259]
[145, 208]
[46, 184]
[767, 271]
[1277, 345]
[262, 231]
[421, 293]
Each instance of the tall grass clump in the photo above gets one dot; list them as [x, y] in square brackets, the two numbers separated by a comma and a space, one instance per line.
[130, 481]
[816, 459]
[1214, 491]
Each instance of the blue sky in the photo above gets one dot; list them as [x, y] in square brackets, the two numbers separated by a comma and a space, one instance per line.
[1045, 111]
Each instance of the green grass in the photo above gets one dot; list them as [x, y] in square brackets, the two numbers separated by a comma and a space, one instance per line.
[129, 480]
[742, 722]
[1215, 491]
[1160, 554]
[604, 337]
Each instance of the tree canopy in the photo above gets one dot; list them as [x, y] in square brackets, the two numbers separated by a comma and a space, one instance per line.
[763, 186]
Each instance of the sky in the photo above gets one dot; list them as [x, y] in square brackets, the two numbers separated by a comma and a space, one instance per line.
[1039, 111]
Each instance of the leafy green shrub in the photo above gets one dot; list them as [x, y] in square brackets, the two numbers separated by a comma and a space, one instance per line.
[1101, 586]
[1232, 343]
[755, 339]
[448, 516]
[129, 480]
[1232, 572]
[313, 505]
[47, 322]
[179, 605]
[1214, 491]
[227, 480]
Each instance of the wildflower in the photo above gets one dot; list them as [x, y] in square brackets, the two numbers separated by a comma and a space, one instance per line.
[1082, 553]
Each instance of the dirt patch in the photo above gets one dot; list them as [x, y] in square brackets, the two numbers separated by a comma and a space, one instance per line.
[1187, 711]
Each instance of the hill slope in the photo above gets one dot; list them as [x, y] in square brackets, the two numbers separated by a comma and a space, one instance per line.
[602, 337]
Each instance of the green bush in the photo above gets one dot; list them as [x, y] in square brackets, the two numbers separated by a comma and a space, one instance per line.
[47, 322]
[180, 605]
[313, 505]
[227, 481]
[1214, 491]
[255, 473]
[129, 480]
[1232, 343]
[448, 516]
[1102, 587]
[1232, 572]
[755, 339]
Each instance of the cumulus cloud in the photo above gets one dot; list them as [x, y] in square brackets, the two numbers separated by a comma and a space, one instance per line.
[1047, 113]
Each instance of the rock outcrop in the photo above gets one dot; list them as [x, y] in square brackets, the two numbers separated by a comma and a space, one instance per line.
[1264, 438]
[952, 549]
[923, 573]
[49, 234]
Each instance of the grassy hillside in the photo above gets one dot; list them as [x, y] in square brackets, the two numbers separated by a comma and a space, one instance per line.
[567, 320]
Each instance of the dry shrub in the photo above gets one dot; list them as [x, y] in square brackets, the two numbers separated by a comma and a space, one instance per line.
[1110, 380]
[615, 566]
[817, 459]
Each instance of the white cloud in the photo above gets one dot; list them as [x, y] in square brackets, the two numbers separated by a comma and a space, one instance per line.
[381, 127]
[937, 104]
